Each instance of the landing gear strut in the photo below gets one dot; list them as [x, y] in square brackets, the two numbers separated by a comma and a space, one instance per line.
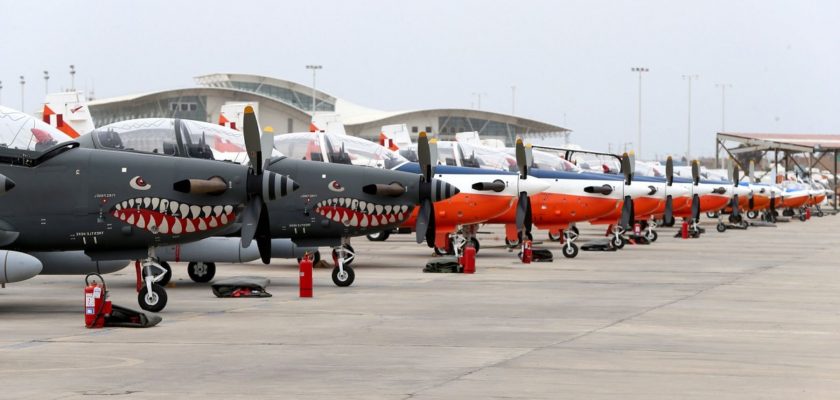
[570, 249]
[650, 232]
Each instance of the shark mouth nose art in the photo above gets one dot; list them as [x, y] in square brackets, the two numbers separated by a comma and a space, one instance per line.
[171, 217]
[358, 213]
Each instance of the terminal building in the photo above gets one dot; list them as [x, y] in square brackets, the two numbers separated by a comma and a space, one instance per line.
[288, 107]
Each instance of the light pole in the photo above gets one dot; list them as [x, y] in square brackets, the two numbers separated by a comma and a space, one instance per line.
[314, 69]
[640, 70]
[22, 82]
[478, 95]
[689, 78]
[72, 78]
[46, 82]
[723, 87]
[513, 100]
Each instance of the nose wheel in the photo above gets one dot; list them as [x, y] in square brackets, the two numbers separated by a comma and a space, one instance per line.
[570, 249]
[152, 295]
[343, 275]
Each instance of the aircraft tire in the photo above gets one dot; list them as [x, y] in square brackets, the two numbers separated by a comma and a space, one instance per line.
[651, 236]
[156, 302]
[380, 236]
[617, 241]
[201, 272]
[721, 227]
[343, 280]
[570, 250]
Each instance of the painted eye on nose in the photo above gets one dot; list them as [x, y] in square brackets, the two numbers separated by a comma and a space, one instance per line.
[138, 183]
[335, 186]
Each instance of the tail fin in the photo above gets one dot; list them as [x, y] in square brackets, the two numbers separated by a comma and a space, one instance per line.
[395, 137]
[327, 122]
[231, 114]
[69, 113]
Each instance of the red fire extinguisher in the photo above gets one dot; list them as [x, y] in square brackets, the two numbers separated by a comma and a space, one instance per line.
[306, 275]
[97, 303]
[527, 252]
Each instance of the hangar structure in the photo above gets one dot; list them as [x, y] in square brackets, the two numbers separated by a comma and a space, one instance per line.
[288, 107]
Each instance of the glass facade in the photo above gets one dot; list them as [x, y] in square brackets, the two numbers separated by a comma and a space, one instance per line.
[186, 107]
[448, 126]
[297, 99]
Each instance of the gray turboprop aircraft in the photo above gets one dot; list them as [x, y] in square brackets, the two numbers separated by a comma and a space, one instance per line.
[58, 197]
[334, 202]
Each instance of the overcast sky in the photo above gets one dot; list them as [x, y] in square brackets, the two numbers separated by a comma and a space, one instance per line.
[569, 60]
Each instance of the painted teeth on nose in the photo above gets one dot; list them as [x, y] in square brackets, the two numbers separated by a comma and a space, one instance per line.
[185, 211]
[228, 209]
[141, 222]
[146, 202]
[364, 221]
[354, 221]
[370, 208]
[164, 226]
[223, 219]
[217, 211]
[362, 206]
[173, 207]
[387, 209]
[119, 207]
[201, 225]
[155, 203]
[208, 210]
[213, 222]
[176, 227]
[403, 208]
[379, 209]
[130, 203]
[195, 212]
[131, 219]
[164, 206]
[190, 228]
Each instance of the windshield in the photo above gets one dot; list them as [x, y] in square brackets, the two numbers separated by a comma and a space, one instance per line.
[483, 157]
[338, 149]
[20, 131]
[546, 161]
[174, 137]
[149, 135]
[446, 153]
[645, 169]
[343, 149]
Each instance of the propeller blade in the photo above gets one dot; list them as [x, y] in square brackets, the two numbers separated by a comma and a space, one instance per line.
[736, 172]
[625, 168]
[626, 213]
[632, 162]
[729, 171]
[735, 211]
[251, 132]
[424, 156]
[424, 216]
[669, 171]
[695, 172]
[250, 220]
[522, 208]
[263, 236]
[695, 208]
[752, 171]
[528, 219]
[668, 217]
[522, 159]
[430, 231]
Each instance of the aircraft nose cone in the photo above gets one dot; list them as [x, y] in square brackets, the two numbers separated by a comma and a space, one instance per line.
[533, 185]
[442, 190]
[16, 266]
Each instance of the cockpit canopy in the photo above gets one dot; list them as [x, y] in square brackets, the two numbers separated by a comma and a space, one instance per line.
[338, 149]
[550, 162]
[24, 134]
[174, 137]
[468, 155]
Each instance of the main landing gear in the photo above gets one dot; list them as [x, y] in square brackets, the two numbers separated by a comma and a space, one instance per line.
[343, 275]
[458, 241]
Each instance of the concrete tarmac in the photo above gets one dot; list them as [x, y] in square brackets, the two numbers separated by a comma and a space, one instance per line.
[742, 314]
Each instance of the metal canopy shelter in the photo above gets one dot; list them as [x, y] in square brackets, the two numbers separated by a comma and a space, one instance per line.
[789, 143]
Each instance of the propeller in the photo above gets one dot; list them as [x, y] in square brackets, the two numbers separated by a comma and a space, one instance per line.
[695, 199]
[626, 169]
[261, 186]
[425, 226]
[524, 160]
[668, 216]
